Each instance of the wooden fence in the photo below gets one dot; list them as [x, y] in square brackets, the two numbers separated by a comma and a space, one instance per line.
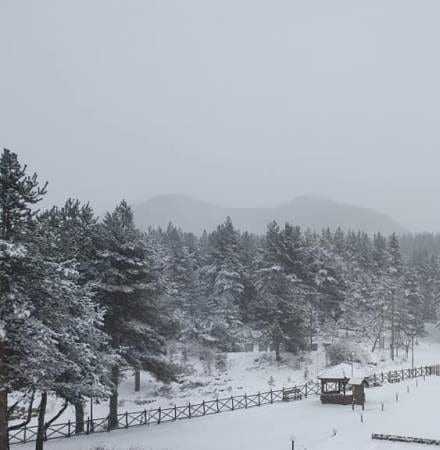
[414, 440]
[205, 408]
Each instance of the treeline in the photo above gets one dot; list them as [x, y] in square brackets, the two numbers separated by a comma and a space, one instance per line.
[290, 283]
[82, 298]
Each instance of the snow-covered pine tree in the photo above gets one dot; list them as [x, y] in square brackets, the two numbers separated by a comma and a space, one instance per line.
[19, 193]
[411, 316]
[77, 359]
[128, 289]
[50, 326]
[249, 245]
[67, 237]
[280, 309]
[394, 273]
[222, 282]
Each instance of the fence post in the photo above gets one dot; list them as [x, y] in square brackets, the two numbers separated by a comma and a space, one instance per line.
[232, 403]
[24, 439]
[271, 396]
[245, 401]
[175, 412]
[68, 428]
[88, 426]
[145, 417]
[259, 399]
[305, 390]
[189, 410]
[126, 419]
[159, 416]
[218, 410]
[204, 408]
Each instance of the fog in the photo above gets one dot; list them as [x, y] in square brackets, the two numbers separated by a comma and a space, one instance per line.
[242, 103]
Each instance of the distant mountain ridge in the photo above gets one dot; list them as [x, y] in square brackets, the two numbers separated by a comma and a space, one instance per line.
[307, 211]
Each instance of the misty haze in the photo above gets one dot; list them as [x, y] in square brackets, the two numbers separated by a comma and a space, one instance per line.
[221, 214]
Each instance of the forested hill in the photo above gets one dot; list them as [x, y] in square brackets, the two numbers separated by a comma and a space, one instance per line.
[307, 211]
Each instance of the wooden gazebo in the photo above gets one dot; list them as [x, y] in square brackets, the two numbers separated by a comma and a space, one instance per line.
[343, 384]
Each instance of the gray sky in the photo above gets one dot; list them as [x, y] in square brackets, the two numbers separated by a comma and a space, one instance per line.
[237, 102]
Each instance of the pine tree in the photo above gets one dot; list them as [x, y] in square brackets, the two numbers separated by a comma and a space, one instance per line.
[50, 325]
[280, 309]
[222, 282]
[19, 193]
[67, 237]
[395, 268]
[128, 289]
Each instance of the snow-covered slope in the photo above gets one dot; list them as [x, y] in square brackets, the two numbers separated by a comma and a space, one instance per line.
[313, 426]
[241, 373]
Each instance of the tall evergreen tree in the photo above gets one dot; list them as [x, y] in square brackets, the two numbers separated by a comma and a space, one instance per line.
[67, 237]
[51, 339]
[19, 193]
[222, 282]
[128, 289]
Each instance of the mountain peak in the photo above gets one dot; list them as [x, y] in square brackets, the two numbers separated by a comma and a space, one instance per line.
[308, 211]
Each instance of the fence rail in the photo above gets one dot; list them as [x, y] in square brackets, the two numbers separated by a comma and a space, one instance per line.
[192, 410]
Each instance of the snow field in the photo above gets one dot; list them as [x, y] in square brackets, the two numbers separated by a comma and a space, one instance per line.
[312, 425]
[245, 373]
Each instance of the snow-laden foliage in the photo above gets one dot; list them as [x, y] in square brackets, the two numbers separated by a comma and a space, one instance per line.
[82, 298]
[128, 288]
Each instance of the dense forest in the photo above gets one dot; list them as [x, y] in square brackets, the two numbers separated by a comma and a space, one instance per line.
[83, 297]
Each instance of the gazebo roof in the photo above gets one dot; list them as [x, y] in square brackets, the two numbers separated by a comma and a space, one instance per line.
[345, 371]
[356, 381]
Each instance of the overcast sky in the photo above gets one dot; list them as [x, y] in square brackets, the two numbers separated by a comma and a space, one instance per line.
[241, 103]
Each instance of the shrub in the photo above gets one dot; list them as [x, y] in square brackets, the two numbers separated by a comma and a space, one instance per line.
[344, 351]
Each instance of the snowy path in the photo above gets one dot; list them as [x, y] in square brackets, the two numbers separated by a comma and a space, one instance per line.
[271, 427]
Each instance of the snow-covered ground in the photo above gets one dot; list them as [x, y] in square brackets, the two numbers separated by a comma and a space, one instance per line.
[241, 373]
[312, 425]
[251, 373]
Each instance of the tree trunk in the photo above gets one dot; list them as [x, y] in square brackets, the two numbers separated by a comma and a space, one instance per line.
[113, 413]
[4, 441]
[412, 352]
[79, 417]
[393, 331]
[4, 436]
[277, 351]
[137, 380]
[375, 343]
[41, 417]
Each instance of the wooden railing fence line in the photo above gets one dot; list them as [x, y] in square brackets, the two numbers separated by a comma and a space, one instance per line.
[205, 408]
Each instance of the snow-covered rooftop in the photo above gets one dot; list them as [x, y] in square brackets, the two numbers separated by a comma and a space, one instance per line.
[345, 371]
